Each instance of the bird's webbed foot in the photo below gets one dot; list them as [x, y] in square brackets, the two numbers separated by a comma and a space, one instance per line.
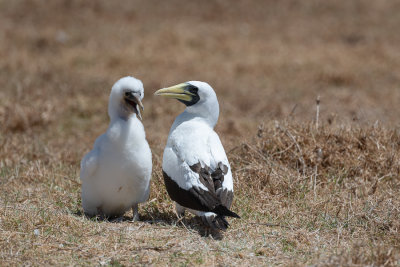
[117, 219]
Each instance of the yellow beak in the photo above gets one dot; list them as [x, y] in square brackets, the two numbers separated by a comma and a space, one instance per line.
[178, 91]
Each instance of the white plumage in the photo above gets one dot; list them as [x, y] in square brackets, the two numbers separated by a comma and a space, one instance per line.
[196, 170]
[116, 174]
[190, 142]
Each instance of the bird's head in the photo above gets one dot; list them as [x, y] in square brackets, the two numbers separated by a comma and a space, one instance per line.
[199, 98]
[125, 98]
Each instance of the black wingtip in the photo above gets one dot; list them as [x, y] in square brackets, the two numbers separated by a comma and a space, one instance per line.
[234, 215]
[222, 210]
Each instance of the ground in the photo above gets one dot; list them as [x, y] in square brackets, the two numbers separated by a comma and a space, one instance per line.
[316, 182]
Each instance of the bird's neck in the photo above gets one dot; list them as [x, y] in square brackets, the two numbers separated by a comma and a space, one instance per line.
[206, 111]
[123, 131]
[208, 118]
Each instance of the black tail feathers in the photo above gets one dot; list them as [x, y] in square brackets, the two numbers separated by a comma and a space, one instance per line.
[224, 211]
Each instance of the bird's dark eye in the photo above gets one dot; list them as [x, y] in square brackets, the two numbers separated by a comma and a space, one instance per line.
[127, 93]
[194, 90]
[191, 89]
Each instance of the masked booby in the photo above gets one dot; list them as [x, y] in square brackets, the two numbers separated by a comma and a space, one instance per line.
[196, 171]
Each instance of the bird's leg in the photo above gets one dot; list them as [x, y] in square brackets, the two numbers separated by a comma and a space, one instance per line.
[209, 220]
[214, 221]
[180, 211]
[212, 226]
[135, 212]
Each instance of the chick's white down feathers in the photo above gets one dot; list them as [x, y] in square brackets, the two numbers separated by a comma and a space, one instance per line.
[116, 173]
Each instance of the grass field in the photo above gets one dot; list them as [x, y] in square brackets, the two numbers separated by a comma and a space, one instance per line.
[319, 190]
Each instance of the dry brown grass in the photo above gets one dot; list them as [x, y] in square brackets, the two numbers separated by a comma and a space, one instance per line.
[307, 196]
[336, 187]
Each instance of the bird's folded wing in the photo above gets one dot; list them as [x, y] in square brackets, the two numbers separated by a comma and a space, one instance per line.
[222, 173]
[89, 164]
[204, 172]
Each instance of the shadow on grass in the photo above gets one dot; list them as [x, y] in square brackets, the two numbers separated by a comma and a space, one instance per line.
[189, 223]
[155, 216]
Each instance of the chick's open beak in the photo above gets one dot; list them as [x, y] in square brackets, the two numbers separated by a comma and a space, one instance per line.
[179, 91]
[139, 103]
[135, 103]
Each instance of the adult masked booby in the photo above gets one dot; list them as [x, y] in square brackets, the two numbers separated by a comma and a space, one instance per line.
[196, 171]
[116, 174]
